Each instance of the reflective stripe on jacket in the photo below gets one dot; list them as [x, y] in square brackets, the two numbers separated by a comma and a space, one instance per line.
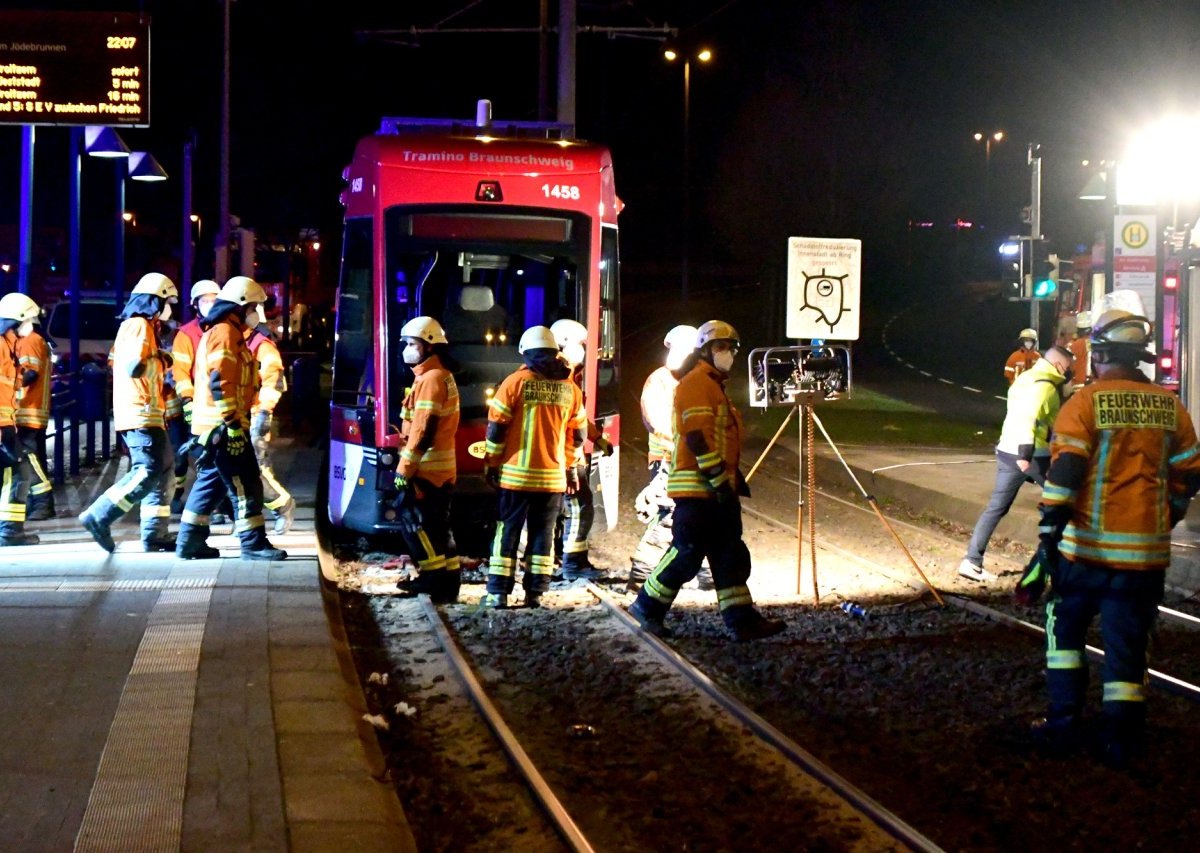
[658, 395]
[33, 353]
[272, 381]
[431, 402]
[1140, 463]
[227, 378]
[701, 404]
[137, 401]
[1033, 403]
[545, 426]
[183, 351]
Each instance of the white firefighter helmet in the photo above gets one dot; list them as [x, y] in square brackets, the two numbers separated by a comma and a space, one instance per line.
[19, 307]
[536, 337]
[681, 336]
[1120, 328]
[424, 329]
[568, 332]
[716, 330]
[242, 290]
[1028, 335]
[157, 284]
[1083, 321]
[204, 287]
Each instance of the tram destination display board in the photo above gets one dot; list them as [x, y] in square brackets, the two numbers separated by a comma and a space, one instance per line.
[75, 68]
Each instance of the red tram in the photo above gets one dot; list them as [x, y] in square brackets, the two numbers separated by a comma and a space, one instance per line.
[490, 229]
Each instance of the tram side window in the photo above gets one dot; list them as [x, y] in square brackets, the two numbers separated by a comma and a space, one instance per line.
[353, 351]
[607, 378]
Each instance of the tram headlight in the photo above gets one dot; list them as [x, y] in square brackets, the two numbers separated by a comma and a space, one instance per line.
[387, 459]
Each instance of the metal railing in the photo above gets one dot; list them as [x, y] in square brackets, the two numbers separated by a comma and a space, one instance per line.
[81, 414]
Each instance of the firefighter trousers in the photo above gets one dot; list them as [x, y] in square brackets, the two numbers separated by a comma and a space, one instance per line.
[149, 482]
[538, 510]
[41, 489]
[14, 484]
[1127, 604]
[578, 514]
[423, 511]
[219, 475]
[703, 527]
[275, 496]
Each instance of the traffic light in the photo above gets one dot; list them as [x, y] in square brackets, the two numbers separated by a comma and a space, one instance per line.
[1045, 277]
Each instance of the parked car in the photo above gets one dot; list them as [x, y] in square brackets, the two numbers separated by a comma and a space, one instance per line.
[98, 324]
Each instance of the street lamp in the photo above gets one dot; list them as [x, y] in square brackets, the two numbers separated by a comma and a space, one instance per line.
[987, 139]
[702, 55]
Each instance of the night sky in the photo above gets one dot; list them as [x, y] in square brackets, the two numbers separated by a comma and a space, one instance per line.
[846, 119]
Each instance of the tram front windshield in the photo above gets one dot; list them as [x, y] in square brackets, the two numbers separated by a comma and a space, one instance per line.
[486, 277]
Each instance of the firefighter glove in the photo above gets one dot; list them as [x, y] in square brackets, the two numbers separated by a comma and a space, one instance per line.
[743, 487]
[187, 409]
[28, 377]
[401, 482]
[234, 439]
[1033, 582]
[604, 446]
[260, 424]
[574, 477]
[166, 358]
[491, 475]
[725, 494]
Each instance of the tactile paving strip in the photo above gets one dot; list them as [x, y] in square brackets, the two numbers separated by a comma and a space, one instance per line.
[137, 799]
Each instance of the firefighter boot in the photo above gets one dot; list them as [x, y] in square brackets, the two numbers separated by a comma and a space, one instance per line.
[1059, 734]
[1122, 739]
[448, 586]
[256, 546]
[642, 610]
[704, 578]
[12, 533]
[191, 545]
[747, 624]
[426, 583]
[94, 523]
[284, 517]
[494, 601]
[638, 572]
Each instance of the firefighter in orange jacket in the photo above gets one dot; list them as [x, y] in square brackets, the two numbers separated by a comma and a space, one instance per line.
[227, 382]
[271, 385]
[1080, 349]
[535, 424]
[654, 508]
[1124, 465]
[139, 365]
[33, 416]
[705, 483]
[579, 509]
[183, 351]
[17, 314]
[426, 471]
[1024, 357]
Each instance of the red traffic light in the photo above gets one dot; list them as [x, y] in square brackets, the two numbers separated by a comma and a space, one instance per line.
[1171, 282]
[1166, 363]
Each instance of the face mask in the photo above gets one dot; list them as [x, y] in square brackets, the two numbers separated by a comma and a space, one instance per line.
[723, 361]
[254, 316]
[165, 313]
[25, 329]
[412, 353]
[204, 304]
[1027, 344]
[573, 353]
[676, 357]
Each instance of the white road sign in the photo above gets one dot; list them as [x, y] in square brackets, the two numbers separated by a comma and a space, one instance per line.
[824, 288]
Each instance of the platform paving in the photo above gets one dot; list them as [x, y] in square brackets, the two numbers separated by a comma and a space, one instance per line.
[160, 704]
